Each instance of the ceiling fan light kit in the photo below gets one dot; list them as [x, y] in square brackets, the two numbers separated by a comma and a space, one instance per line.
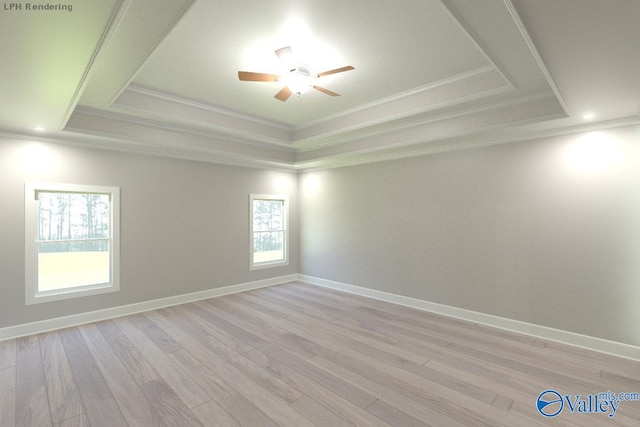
[298, 79]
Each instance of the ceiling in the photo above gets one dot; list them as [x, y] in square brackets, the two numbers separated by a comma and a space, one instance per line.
[161, 76]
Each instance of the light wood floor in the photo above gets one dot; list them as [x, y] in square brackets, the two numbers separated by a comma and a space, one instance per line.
[298, 355]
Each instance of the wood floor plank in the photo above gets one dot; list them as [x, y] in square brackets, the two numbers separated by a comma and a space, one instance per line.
[356, 338]
[393, 416]
[8, 395]
[7, 354]
[233, 402]
[132, 402]
[399, 401]
[159, 319]
[623, 367]
[278, 305]
[185, 387]
[274, 407]
[294, 357]
[319, 414]
[201, 322]
[254, 334]
[429, 406]
[168, 405]
[154, 333]
[32, 404]
[299, 355]
[211, 413]
[425, 379]
[99, 404]
[359, 351]
[415, 387]
[417, 329]
[263, 377]
[318, 390]
[139, 368]
[77, 421]
[64, 398]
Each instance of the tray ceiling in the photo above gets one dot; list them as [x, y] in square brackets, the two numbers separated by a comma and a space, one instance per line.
[160, 76]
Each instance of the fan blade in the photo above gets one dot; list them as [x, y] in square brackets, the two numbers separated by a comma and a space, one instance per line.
[249, 76]
[327, 91]
[337, 70]
[284, 52]
[284, 94]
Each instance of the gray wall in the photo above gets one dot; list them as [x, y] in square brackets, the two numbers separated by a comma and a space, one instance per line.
[545, 231]
[184, 225]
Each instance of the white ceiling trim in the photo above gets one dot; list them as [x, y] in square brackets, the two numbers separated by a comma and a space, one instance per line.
[536, 55]
[162, 135]
[440, 129]
[112, 24]
[529, 103]
[387, 136]
[480, 46]
[191, 113]
[169, 28]
[519, 134]
[459, 89]
[466, 87]
[136, 146]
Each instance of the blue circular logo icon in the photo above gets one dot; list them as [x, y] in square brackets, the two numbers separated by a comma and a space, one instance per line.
[550, 403]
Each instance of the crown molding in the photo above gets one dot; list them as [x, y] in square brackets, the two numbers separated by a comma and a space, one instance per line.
[497, 136]
[110, 130]
[98, 141]
[441, 127]
[115, 123]
[464, 142]
[191, 113]
[536, 55]
[455, 90]
[423, 119]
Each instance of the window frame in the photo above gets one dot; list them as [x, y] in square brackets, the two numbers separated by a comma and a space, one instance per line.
[32, 294]
[269, 264]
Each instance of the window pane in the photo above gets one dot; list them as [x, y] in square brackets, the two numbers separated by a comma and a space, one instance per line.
[72, 244]
[268, 231]
[64, 265]
[70, 216]
[68, 257]
[268, 215]
[268, 246]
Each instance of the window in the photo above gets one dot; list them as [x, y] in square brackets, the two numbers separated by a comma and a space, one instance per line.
[269, 238]
[71, 246]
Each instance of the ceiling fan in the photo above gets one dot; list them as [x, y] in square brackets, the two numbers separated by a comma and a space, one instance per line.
[298, 78]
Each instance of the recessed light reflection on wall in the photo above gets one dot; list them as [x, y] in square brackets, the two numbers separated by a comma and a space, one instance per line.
[36, 158]
[594, 152]
[281, 182]
[311, 184]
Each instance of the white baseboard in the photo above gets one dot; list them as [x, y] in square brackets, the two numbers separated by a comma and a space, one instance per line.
[564, 337]
[109, 313]
[544, 332]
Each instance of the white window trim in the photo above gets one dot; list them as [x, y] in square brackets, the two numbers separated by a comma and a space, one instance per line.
[32, 296]
[260, 265]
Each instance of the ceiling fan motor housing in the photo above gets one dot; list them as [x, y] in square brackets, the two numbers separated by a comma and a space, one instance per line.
[299, 79]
